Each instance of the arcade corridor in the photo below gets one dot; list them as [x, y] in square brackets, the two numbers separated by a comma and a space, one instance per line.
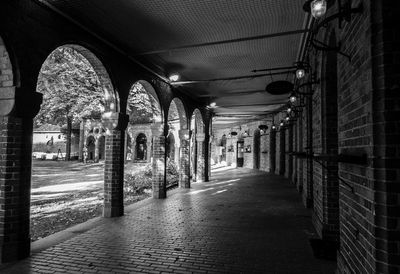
[242, 221]
[301, 96]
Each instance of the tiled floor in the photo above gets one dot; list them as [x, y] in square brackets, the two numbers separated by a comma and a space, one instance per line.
[243, 221]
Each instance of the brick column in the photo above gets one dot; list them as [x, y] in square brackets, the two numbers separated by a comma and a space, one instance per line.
[272, 151]
[201, 157]
[96, 149]
[184, 171]
[114, 164]
[81, 140]
[16, 129]
[158, 164]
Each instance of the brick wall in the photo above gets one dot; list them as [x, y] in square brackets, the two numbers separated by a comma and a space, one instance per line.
[249, 156]
[265, 151]
[6, 74]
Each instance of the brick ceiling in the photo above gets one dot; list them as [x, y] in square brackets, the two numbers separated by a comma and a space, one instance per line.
[203, 40]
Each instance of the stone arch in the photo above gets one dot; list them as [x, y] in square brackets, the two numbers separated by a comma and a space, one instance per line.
[178, 106]
[144, 107]
[256, 149]
[7, 89]
[197, 144]
[111, 97]
[143, 90]
[199, 122]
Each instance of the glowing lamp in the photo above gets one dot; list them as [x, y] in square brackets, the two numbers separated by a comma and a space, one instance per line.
[174, 77]
[318, 8]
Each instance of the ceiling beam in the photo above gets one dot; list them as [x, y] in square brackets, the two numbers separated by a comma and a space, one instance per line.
[258, 37]
[231, 78]
[251, 105]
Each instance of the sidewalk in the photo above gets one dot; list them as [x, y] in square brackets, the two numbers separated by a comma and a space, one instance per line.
[243, 221]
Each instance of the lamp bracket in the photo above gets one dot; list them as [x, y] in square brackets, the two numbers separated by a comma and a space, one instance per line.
[344, 13]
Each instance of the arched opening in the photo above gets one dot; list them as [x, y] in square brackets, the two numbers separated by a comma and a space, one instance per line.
[170, 147]
[197, 147]
[76, 91]
[256, 149]
[145, 126]
[240, 152]
[176, 144]
[141, 147]
[91, 148]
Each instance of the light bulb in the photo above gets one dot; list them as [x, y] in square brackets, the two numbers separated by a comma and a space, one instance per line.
[318, 8]
[300, 73]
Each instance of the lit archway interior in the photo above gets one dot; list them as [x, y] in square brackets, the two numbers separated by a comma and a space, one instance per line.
[76, 90]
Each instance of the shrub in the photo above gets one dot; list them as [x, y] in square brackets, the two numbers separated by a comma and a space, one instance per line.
[136, 183]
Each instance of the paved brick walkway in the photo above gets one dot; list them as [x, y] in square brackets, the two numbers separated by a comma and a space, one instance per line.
[242, 222]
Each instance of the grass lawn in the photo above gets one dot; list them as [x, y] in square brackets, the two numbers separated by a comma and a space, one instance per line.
[67, 193]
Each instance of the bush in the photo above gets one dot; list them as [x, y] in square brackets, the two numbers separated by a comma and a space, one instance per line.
[136, 183]
[172, 173]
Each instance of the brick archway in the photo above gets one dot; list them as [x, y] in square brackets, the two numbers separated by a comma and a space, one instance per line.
[198, 149]
[143, 106]
[178, 129]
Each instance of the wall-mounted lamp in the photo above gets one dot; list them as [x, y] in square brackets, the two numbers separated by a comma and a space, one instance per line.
[318, 9]
[301, 69]
[274, 127]
[281, 124]
[292, 99]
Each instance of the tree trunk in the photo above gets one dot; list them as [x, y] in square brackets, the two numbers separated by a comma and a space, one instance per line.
[68, 148]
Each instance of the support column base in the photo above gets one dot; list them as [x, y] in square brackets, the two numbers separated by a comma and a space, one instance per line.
[161, 194]
[111, 212]
[15, 251]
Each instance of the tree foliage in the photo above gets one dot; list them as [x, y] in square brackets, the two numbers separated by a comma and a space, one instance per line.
[142, 107]
[71, 88]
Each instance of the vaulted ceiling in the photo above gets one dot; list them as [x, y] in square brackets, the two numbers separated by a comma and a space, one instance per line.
[213, 44]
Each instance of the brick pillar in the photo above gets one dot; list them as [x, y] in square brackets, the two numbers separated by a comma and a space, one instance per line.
[16, 131]
[15, 175]
[201, 157]
[272, 151]
[282, 148]
[158, 164]
[207, 158]
[125, 147]
[81, 140]
[184, 171]
[114, 164]
[96, 149]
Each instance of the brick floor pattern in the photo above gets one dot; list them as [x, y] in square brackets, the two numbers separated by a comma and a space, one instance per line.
[243, 221]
